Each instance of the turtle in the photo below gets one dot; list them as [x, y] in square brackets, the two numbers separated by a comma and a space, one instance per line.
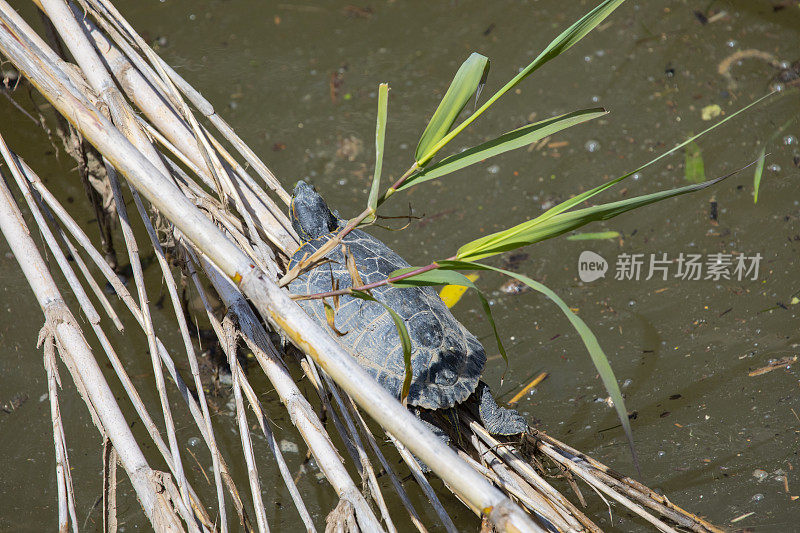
[447, 361]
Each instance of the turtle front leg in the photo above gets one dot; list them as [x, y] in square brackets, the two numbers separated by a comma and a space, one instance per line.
[497, 420]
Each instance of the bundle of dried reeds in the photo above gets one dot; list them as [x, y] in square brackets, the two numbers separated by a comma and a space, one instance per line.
[230, 233]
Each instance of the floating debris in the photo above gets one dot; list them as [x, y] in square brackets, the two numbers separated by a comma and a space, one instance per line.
[514, 286]
[451, 294]
[783, 362]
[710, 112]
[534, 382]
[288, 446]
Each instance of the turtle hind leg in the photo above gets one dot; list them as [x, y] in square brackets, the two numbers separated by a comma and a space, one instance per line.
[497, 420]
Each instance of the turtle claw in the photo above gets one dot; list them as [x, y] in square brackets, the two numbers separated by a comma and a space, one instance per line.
[497, 420]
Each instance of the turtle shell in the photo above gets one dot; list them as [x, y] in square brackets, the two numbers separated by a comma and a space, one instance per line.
[446, 359]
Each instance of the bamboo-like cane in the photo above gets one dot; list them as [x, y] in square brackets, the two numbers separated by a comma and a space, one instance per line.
[72, 345]
[122, 291]
[66, 493]
[272, 303]
[85, 303]
[139, 81]
[253, 400]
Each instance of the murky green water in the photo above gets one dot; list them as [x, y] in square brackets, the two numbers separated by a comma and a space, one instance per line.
[683, 349]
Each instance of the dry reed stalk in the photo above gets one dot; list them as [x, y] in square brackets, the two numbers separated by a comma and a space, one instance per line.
[75, 352]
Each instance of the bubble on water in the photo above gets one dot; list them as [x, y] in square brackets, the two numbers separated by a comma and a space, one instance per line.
[757, 497]
[631, 303]
[627, 383]
[759, 474]
[494, 169]
[790, 140]
[600, 53]
[588, 59]
[636, 176]
[404, 146]
[662, 453]
[342, 181]
[730, 43]
[592, 146]
[193, 442]
[784, 65]
[774, 167]
[595, 99]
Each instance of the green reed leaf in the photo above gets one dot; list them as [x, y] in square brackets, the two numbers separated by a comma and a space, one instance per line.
[560, 44]
[508, 141]
[405, 340]
[468, 81]
[380, 136]
[589, 340]
[536, 230]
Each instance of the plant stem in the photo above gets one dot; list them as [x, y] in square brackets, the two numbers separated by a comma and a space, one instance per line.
[391, 190]
[374, 284]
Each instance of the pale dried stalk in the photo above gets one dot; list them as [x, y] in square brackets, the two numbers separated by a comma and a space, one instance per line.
[624, 485]
[123, 293]
[228, 342]
[361, 458]
[109, 488]
[145, 88]
[66, 492]
[511, 459]
[204, 106]
[187, 342]
[419, 475]
[102, 83]
[24, 172]
[398, 487]
[538, 504]
[300, 411]
[72, 346]
[138, 276]
[252, 399]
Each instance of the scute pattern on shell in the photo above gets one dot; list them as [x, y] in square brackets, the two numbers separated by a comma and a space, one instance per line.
[446, 359]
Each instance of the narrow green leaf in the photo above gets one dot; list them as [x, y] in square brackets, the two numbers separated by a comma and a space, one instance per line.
[580, 198]
[508, 141]
[533, 231]
[763, 154]
[694, 168]
[560, 44]
[594, 236]
[330, 316]
[468, 81]
[380, 136]
[589, 340]
[405, 340]
[450, 277]
[759, 171]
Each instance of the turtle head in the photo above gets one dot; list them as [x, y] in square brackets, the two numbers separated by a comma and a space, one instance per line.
[311, 216]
